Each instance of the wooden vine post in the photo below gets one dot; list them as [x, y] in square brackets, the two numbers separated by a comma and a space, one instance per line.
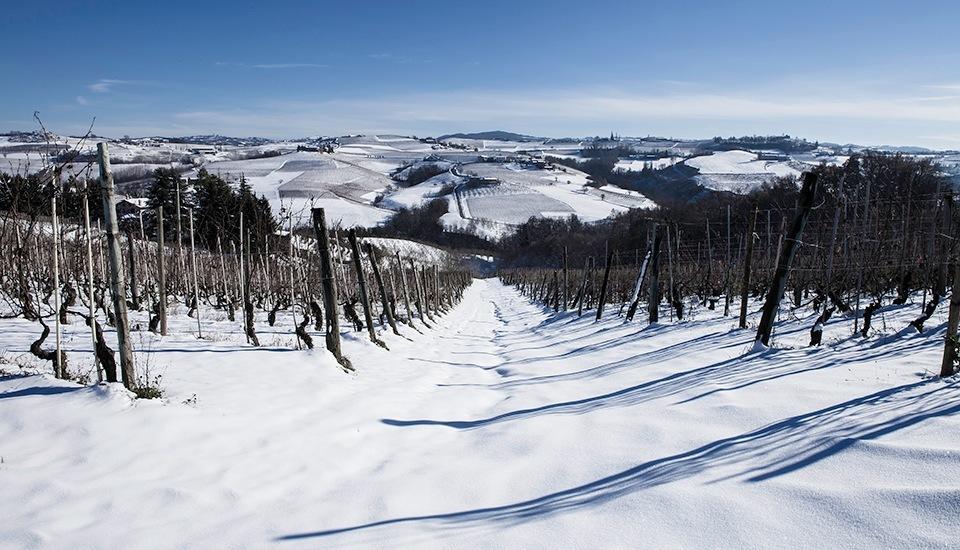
[161, 275]
[727, 285]
[128, 376]
[58, 364]
[426, 291]
[603, 286]
[422, 307]
[293, 303]
[383, 291]
[948, 366]
[196, 285]
[406, 294]
[785, 258]
[362, 284]
[638, 285]
[745, 289]
[92, 303]
[654, 301]
[249, 327]
[132, 263]
[329, 288]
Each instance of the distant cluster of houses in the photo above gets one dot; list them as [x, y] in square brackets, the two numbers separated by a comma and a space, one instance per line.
[772, 155]
[523, 160]
[131, 207]
[323, 145]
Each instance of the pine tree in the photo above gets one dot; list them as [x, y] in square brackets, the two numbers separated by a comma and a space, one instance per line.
[163, 192]
[216, 211]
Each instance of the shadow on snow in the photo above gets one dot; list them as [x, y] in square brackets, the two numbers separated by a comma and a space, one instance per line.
[755, 456]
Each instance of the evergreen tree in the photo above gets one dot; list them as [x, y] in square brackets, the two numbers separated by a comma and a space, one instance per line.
[28, 195]
[258, 220]
[163, 192]
[216, 211]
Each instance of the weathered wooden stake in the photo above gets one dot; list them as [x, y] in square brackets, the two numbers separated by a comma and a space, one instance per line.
[638, 285]
[241, 281]
[670, 272]
[426, 292]
[179, 265]
[128, 375]
[745, 289]
[132, 267]
[293, 304]
[92, 304]
[249, 327]
[196, 286]
[603, 286]
[654, 301]
[385, 302]
[729, 287]
[161, 275]
[362, 285]
[947, 367]
[58, 362]
[779, 283]
[329, 287]
[421, 307]
[406, 294]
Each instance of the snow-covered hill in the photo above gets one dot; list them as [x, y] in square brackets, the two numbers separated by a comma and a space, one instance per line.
[362, 181]
[739, 171]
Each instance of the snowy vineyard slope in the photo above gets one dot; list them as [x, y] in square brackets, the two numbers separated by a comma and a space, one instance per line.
[739, 171]
[503, 426]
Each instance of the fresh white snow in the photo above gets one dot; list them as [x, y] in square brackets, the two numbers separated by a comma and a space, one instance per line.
[738, 171]
[505, 425]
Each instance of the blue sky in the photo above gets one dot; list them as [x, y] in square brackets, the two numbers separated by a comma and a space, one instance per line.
[866, 72]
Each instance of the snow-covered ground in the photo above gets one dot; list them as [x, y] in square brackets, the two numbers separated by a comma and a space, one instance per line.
[339, 211]
[524, 192]
[738, 171]
[411, 249]
[415, 195]
[655, 164]
[503, 426]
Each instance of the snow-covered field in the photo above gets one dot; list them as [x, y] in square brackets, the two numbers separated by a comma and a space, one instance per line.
[302, 179]
[505, 426]
[525, 192]
[426, 191]
[655, 164]
[411, 249]
[739, 171]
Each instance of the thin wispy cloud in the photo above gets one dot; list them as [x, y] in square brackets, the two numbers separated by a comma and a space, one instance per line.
[289, 66]
[105, 85]
[951, 139]
[82, 100]
[582, 112]
[949, 86]
[272, 65]
[395, 58]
